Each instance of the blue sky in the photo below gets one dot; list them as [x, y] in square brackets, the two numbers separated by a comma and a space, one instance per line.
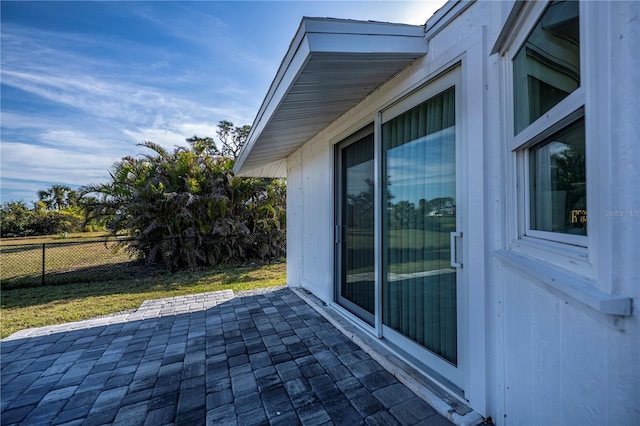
[83, 82]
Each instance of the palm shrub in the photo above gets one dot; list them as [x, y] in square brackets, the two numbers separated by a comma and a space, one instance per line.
[186, 208]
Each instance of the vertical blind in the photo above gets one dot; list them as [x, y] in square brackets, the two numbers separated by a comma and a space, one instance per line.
[419, 287]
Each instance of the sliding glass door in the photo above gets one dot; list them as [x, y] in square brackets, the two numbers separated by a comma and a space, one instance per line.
[397, 225]
[355, 226]
[419, 171]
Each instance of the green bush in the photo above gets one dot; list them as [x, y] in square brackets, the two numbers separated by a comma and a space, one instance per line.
[17, 220]
[186, 208]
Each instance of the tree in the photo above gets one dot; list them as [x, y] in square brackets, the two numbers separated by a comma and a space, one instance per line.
[232, 138]
[58, 197]
[186, 208]
[363, 203]
[15, 219]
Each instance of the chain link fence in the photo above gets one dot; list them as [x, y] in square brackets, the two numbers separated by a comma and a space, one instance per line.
[53, 263]
[29, 265]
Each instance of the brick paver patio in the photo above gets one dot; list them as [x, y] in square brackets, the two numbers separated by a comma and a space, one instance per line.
[203, 359]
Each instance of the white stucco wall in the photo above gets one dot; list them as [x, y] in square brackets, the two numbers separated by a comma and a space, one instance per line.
[310, 218]
[561, 364]
[548, 359]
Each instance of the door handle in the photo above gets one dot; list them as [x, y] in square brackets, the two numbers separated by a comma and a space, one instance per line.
[454, 249]
[337, 231]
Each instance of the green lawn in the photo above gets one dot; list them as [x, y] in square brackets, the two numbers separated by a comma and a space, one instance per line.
[21, 265]
[80, 257]
[57, 238]
[40, 306]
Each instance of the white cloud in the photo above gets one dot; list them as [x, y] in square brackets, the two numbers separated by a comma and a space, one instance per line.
[21, 161]
[168, 139]
[15, 190]
[199, 129]
[106, 113]
[46, 65]
[63, 134]
[99, 98]
[174, 134]
[72, 139]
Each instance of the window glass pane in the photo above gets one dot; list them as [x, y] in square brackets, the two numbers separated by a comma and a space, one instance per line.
[357, 280]
[419, 171]
[547, 67]
[558, 182]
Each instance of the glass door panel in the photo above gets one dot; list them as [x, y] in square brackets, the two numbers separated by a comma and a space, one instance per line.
[419, 289]
[355, 219]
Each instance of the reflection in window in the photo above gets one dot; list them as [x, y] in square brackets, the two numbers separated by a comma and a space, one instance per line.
[357, 285]
[419, 172]
[547, 67]
[558, 196]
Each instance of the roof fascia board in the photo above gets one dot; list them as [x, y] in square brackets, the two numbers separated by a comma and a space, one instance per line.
[349, 26]
[444, 16]
[366, 43]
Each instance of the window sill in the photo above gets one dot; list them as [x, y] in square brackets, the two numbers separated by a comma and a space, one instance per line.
[567, 285]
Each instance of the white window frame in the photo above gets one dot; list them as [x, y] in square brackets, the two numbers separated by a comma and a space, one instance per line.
[579, 275]
[525, 152]
[562, 249]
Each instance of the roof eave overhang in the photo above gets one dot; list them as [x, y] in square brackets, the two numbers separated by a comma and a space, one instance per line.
[330, 67]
